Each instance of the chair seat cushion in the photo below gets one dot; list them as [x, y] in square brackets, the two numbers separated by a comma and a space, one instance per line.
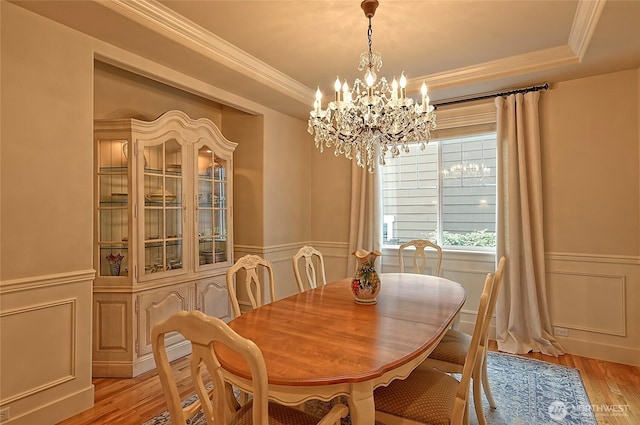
[453, 348]
[278, 415]
[425, 396]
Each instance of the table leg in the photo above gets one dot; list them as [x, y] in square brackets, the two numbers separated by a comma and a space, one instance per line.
[361, 406]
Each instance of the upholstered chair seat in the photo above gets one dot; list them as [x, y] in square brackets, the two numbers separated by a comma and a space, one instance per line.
[426, 396]
[278, 415]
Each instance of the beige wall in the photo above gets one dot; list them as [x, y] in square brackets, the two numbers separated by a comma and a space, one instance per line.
[286, 180]
[589, 132]
[286, 194]
[123, 94]
[248, 189]
[46, 197]
[590, 155]
[330, 183]
[46, 133]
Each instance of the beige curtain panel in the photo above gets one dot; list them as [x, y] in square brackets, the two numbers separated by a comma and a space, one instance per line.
[522, 314]
[365, 226]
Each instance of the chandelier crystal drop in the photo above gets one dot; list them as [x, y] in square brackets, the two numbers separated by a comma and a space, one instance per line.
[373, 118]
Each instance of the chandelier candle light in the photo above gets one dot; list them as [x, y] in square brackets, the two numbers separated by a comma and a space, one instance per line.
[373, 118]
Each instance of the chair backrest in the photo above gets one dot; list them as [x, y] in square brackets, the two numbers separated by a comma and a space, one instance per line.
[313, 266]
[251, 264]
[420, 256]
[203, 331]
[493, 298]
[460, 403]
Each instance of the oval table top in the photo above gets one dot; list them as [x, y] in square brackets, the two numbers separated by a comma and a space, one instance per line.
[322, 337]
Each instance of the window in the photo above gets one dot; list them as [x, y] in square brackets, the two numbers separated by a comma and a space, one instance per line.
[445, 193]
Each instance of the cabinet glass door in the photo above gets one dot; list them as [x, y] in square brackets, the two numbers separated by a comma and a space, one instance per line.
[212, 208]
[112, 209]
[163, 208]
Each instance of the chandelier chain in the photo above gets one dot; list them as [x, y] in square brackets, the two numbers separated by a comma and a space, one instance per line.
[370, 43]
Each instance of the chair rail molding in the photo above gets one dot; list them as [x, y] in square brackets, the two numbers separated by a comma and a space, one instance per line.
[44, 281]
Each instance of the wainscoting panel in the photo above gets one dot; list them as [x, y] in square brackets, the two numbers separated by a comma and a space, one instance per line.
[594, 303]
[45, 347]
[58, 366]
[588, 302]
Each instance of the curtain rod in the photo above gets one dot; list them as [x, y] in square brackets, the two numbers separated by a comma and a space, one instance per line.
[489, 95]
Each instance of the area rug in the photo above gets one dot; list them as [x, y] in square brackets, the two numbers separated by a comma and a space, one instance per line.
[527, 392]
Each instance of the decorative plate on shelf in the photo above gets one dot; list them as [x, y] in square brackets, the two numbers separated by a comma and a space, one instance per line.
[119, 197]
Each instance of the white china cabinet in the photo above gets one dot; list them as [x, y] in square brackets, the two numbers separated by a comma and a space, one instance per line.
[163, 233]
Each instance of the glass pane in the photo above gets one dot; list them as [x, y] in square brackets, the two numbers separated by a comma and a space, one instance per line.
[219, 224]
[173, 156]
[173, 190]
[114, 225]
[174, 254]
[220, 169]
[221, 251]
[205, 222]
[469, 191]
[163, 214]
[206, 199]
[154, 159]
[220, 195]
[153, 223]
[205, 162]
[174, 223]
[154, 257]
[220, 209]
[114, 261]
[112, 209]
[410, 196]
[113, 153]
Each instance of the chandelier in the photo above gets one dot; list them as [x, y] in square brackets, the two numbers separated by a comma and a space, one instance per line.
[373, 118]
[467, 170]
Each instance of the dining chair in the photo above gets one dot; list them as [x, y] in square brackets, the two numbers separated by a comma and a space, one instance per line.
[252, 265]
[420, 256]
[313, 267]
[451, 353]
[430, 396]
[207, 334]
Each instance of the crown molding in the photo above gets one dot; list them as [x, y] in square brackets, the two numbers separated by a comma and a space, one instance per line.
[514, 65]
[584, 24]
[166, 22]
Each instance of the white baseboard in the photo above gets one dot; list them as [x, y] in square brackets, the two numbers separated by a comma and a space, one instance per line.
[57, 410]
[127, 369]
[600, 351]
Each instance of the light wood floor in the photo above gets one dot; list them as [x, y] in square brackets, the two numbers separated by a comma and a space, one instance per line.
[614, 391]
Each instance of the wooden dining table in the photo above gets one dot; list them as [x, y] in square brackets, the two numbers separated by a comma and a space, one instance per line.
[319, 344]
